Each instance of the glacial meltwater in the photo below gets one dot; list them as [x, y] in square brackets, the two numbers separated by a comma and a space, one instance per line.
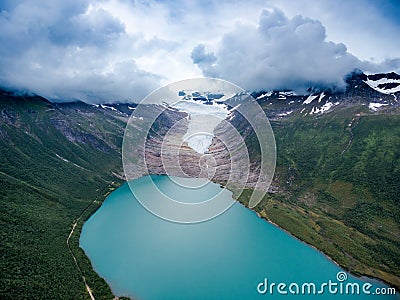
[236, 255]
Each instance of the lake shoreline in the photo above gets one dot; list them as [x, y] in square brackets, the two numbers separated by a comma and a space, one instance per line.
[358, 276]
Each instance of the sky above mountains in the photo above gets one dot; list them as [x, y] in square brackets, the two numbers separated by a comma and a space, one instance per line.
[121, 50]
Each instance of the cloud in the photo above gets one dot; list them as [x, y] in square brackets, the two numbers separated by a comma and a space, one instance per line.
[368, 28]
[95, 28]
[67, 50]
[204, 60]
[123, 49]
[281, 53]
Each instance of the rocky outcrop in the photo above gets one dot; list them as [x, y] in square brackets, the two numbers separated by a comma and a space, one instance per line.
[227, 161]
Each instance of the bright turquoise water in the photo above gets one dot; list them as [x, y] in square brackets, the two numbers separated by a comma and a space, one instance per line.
[143, 256]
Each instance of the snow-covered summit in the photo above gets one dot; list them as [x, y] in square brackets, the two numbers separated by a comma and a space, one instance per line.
[384, 83]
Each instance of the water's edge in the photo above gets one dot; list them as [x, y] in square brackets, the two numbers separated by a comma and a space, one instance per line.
[115, 186]
[360, 275]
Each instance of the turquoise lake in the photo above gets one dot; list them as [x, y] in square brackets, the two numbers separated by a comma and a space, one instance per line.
[145, 257]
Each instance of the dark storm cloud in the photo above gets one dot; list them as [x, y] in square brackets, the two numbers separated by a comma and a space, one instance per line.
[280, 53]
[68, 50]
[81, 30]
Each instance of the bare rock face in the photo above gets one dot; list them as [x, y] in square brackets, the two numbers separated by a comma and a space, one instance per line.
[165, 151]
[228, 160]
[156, 146]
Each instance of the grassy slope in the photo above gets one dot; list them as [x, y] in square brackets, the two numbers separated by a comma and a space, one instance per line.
[345, 204]
[41, 194]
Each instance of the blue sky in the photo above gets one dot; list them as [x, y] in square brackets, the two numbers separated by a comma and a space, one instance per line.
[112, 50]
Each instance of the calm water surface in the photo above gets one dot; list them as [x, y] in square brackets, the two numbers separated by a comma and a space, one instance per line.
[145, 257]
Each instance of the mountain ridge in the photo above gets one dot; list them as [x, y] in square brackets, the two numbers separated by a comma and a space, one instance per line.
[279, 104]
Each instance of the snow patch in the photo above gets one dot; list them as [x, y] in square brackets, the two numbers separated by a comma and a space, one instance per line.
[288, 93]
[324, 108]
[321, 96]
[109, 107]
[374, 84]
[285, 113]
[268, 94]
[374, 106]
[310, 99]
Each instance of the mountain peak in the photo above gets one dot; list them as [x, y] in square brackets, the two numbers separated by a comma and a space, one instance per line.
[375, 92]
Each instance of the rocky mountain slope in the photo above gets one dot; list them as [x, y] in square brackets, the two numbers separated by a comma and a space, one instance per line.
[335, 187]
[379, 92]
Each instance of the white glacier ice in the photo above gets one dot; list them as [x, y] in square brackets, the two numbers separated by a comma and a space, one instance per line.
[203, 118]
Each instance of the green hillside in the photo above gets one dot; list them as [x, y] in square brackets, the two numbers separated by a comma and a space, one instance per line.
[55, 159]
[338, 176]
